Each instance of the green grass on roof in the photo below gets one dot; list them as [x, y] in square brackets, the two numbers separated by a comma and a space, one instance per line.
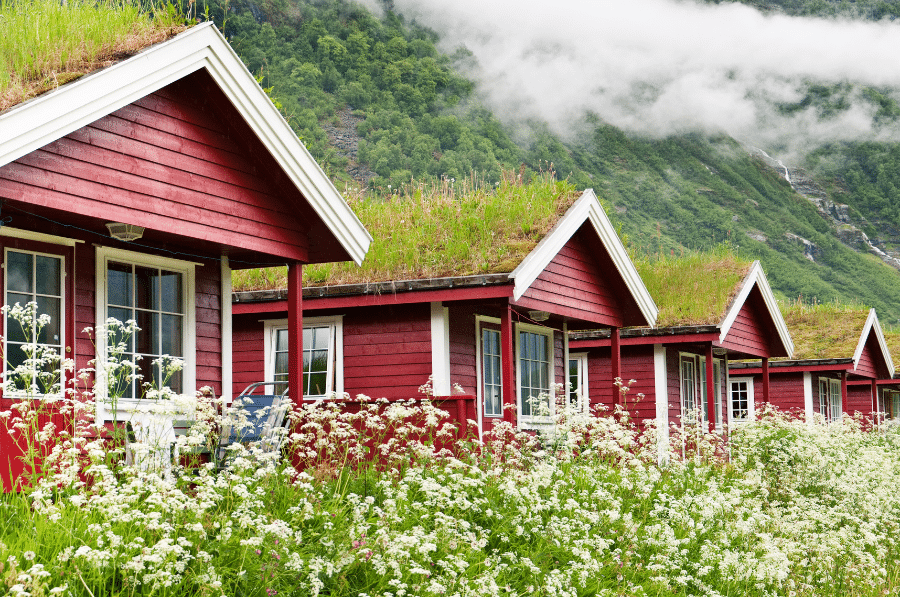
[440, 232]
[694, 288]
[47, 43]
[892, 339]
[824, 330]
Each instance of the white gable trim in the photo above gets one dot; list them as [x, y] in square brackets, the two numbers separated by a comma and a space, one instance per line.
[586, 208]
[35, 123]
[872, 323]
[757, 277]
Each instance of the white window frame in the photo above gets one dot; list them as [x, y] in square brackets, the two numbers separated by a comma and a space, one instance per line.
[582, 401]
[335, 373]
[717, 389]
[480, 321]
[62, 312]
[837, 401]
[894, 398]
[126, 407]
[683, 359]
[532, 420]
[751, 401]
[830, 398]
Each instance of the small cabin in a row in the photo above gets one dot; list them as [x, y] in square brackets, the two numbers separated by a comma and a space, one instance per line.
[495, 321]
[132, 191]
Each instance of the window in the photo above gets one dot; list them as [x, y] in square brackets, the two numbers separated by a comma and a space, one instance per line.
[491, 373]
[323, 355]
[158, 294]
[33, 277]
[830, 402]
[892, 404]
[717, 389]
[740, 402]
[534, 357]
[578, 386]
[688, 387]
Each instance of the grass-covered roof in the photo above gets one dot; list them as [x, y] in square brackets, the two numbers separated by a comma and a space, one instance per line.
[695, 288]
[47, 43]
[440, 231]
[824, 330]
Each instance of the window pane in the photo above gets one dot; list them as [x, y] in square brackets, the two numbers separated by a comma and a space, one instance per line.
[19, 272]
[172, 335]
[50, 333]
[281, 340]
[118, 284]
[14, 329]
[281, 366]
[48, 275]
[170, 292]
[123, 315]
[146, 340]
[145, 288]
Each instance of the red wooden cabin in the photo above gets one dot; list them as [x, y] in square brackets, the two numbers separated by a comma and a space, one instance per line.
[841, 358]
[178, 140]
[502, 336]
[683, 368]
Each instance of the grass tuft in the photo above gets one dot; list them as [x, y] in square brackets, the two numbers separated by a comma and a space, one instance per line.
[441, 231]
[829, 330]
[47, 43]
[693, 288]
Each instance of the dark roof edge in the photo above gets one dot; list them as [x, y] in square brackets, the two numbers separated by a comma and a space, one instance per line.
[805, 362]
[379, 287]
[637, 332]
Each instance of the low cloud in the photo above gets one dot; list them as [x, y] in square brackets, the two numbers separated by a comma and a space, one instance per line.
[660, 67]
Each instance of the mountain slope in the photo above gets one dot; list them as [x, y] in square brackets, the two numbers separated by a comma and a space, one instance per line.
[379, 105]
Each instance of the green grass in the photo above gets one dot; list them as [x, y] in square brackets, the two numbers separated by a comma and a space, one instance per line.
[47, 43]
[824, 330]
[693, 288]
[441, 231]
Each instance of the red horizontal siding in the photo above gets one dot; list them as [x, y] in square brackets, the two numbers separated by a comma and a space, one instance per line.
[573, 284]
[462, 348]
[178, 161]
[637, 364]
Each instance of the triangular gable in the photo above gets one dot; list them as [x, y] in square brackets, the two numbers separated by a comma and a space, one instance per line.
[38, 122]
[872, 327]
[586, 209]
[756, 279]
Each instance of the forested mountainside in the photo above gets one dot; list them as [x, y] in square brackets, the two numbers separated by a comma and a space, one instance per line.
[379, 105]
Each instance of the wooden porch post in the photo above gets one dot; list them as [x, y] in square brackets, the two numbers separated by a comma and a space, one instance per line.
[507, 360]
[875, 410]
[710, 388]
[616, 360]
[295, 332]
[765, 378]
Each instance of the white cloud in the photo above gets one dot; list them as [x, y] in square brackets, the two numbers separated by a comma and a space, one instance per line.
[661, 67]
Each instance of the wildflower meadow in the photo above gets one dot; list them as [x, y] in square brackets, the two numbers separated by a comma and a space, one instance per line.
[386, 498]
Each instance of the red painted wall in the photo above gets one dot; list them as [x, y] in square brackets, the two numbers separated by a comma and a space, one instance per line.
[637, 364]
[176, 161]
[752, 329]
[387, 351]
[462, 348]
[575, 284]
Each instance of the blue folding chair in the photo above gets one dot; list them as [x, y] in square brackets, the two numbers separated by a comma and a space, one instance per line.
[266, 417]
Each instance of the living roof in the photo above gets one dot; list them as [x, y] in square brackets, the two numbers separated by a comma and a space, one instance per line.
[822, 331]
[439, 232]
[695, 288]
[47, 43]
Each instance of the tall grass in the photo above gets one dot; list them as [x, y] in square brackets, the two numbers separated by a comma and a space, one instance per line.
[693, 288]
[824, 330]
[46, 43]
[443, 230]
